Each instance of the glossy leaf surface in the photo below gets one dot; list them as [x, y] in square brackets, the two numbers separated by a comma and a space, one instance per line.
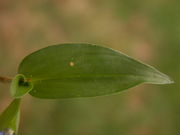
[9, 119]
[84, 70]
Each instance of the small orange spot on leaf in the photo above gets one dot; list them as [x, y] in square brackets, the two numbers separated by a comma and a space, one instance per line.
[71, 64]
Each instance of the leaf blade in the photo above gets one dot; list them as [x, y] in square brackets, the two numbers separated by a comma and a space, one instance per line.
[9, 119]
[85, 70]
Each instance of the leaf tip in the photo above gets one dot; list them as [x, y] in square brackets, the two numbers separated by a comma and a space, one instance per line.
[161, 78]
[167, 80]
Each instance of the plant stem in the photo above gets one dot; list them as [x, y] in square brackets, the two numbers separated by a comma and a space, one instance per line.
[5, 79]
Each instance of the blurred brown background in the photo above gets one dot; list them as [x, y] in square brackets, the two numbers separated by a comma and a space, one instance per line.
[147, 30]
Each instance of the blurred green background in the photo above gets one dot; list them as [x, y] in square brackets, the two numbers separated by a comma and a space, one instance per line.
[147, 30]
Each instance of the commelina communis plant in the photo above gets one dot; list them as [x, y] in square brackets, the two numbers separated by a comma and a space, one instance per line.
[73, 71]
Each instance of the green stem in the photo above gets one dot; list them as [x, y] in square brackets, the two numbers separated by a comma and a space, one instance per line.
[5, 79]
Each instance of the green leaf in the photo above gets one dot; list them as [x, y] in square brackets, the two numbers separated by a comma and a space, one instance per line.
[84, 70]
[20, 86]
[9, 119]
